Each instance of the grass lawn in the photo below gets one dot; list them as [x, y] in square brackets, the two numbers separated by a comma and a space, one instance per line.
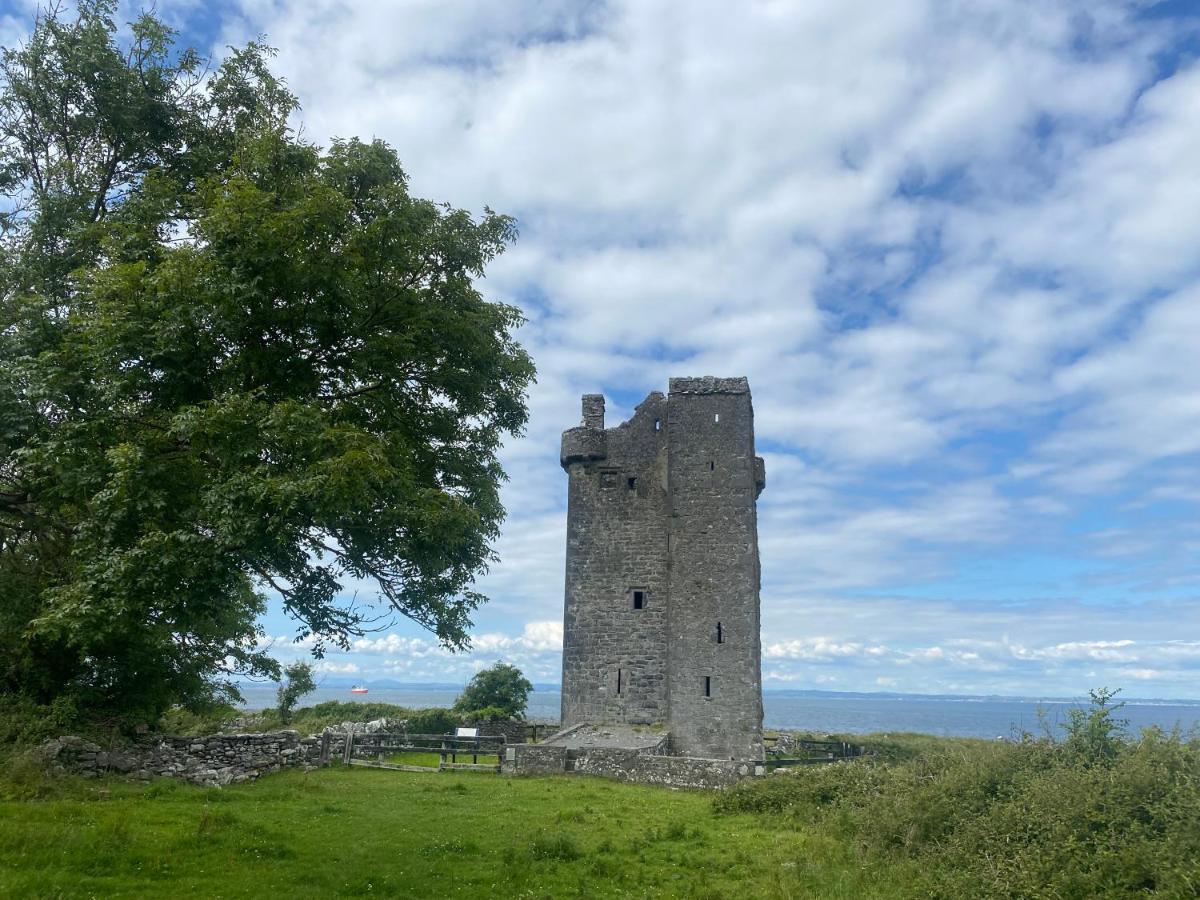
[433, 760]
[358, 832]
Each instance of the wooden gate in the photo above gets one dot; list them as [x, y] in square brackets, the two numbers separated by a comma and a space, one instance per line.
[387, 750]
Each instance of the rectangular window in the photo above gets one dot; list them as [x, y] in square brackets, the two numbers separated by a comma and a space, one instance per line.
[707, 685]
[711, 465]
[658, 424]
[618, 681]
[716, 417]
[720, 634]
[632, 483]
[639, 599]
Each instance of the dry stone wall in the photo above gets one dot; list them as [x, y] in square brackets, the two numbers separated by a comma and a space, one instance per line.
[212, 759]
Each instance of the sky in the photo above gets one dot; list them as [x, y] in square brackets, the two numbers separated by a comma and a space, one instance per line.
[952, 243]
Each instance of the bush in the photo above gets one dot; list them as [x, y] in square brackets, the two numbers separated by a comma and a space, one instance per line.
[23, 722]
[189, 723]
[486, 715]
[432, 721]
[1097, 815]
[500, 687]
[297, 681]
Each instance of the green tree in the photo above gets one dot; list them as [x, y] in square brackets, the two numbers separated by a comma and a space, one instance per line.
[500, 687]
[297, 681]
[230, 361]
[1094, 733]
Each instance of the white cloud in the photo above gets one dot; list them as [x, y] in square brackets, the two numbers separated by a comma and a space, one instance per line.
[952, 246]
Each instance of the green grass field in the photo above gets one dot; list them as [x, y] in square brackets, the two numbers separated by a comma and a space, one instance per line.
[368, 832]
[1098, 814]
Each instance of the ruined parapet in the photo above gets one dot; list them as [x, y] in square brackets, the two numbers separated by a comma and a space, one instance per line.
[588, 442]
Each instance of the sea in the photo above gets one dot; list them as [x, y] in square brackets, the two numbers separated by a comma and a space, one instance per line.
[830, 711]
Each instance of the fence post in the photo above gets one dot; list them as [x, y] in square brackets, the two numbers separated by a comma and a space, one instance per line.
[323, 760]
[347, 749]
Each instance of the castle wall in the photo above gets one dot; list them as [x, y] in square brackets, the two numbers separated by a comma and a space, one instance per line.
[664, 505]
[714, 657]
[614, 655]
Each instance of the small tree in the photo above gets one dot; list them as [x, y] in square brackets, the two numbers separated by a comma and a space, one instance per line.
[296, 682]
[1094, 733]
[500, 687]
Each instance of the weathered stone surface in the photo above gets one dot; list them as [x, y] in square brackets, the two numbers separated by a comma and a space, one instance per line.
[669, 771]
[661, 618]
[214, 759]
[534, 759]
[645, 766]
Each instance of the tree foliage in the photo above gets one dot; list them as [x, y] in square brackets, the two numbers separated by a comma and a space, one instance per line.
[500, 688]
[296, 682]
[230, 361]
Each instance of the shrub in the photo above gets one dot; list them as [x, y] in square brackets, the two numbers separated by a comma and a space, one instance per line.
[432, 721]
[297, 681]
[1096, 815]
[501, 687]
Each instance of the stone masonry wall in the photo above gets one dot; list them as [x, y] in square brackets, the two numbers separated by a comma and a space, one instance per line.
[534, 759]
[639, 766]
[713, 632]
[669, 771]
[614, 662]
[213, 759]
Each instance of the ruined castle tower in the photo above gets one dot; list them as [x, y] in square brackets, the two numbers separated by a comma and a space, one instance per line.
[661, 624]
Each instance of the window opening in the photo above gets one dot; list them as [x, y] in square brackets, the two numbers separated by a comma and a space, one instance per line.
[711, 465]
[618, 681]
[608, 479]
[707, 685]
[658, 424]
[632, 482]
[716, 417]
[720, 634]
[639, 599]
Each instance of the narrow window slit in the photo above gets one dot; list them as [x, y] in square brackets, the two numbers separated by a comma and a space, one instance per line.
[720, 634]
[632, 482]
[658, 424]
[707, 685]
[639, 599]
[618, 681]
[716, 417]
[711, 465]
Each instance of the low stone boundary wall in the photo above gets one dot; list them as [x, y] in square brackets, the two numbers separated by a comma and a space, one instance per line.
[670, 771]
[534, 759]
[212, 759]
[643, 766]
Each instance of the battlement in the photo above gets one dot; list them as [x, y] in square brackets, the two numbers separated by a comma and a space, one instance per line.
[709, 385]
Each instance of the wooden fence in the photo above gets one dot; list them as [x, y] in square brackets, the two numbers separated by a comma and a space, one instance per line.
[817, 752]
[381, 749]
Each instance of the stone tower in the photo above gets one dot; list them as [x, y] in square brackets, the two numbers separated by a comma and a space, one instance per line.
[661, 622]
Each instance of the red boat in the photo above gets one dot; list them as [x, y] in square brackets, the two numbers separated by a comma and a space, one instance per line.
[358, 689]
